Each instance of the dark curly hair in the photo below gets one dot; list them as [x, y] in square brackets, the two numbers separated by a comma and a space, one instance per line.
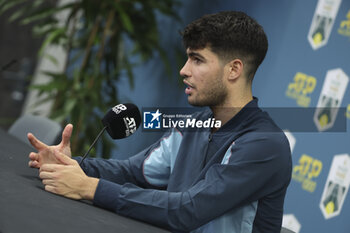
[231, 35]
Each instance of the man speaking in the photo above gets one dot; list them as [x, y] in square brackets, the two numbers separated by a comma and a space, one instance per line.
[228, 179]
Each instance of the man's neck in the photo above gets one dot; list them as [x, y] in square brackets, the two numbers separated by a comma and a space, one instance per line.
[226, 112]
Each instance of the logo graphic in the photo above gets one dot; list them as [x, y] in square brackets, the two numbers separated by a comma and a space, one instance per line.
[301, 88]
[118, 108]
[344, 28]
[308, 169]
[166, 118]
[332, 94]
[322, 22]
[336, 187]
[130, 125]
[152, 120]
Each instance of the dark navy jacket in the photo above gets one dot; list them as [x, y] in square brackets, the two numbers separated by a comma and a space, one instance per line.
[233, 180]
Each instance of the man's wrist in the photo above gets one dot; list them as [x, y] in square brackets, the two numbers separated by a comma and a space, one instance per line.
[91, 186]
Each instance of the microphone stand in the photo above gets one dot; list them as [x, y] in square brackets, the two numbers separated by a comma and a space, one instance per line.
[98, 136]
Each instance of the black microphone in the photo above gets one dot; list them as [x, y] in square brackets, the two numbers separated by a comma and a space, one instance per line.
[120, 122]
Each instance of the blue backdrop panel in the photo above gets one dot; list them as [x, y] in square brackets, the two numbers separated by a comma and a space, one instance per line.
[290, 57]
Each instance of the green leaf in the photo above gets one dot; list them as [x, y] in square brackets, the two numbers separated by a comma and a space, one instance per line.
[128, 67]
[125, 19]
[70, 104]
[59, 32]
[73, 13]
[41, 14]
[54, 74]
[43, 30]
[51, 58]
[48, 97]
[2, 2]
[6, 5]
[46, 88]
[17, 14]
[37, 3]
[45, 12]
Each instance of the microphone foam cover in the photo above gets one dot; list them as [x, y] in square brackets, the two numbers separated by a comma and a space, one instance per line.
[122, 120]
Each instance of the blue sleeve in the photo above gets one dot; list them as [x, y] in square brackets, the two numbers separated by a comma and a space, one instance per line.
[250, 170]
[117, 171]
[149, 168]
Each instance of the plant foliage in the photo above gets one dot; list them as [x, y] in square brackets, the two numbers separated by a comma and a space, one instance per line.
[94, 34]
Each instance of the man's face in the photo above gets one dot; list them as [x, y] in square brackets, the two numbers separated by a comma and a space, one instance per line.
[204, 76]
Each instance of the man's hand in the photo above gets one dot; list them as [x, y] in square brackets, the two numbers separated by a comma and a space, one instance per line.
[45, 153]
[67, 178]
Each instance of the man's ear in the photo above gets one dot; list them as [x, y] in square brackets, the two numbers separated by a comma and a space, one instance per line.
[235, 69]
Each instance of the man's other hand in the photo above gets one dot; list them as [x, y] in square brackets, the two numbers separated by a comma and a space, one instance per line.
[67, 178]
[45, 154]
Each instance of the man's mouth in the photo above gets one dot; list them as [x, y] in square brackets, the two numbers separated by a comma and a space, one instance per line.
[189, 87]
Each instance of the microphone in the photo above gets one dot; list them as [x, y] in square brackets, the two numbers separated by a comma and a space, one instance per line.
[120, 122]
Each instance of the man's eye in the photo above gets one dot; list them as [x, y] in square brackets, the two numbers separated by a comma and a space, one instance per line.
[197, 60]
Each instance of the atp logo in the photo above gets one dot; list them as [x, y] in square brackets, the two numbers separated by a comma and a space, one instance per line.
[344, 28]
[152, 120]
[301, 89]
[306, 171]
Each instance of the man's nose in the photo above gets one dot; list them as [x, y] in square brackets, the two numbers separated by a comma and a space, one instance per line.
[185, 71]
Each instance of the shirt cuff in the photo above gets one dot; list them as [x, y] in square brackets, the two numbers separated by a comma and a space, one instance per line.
[107, 194]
